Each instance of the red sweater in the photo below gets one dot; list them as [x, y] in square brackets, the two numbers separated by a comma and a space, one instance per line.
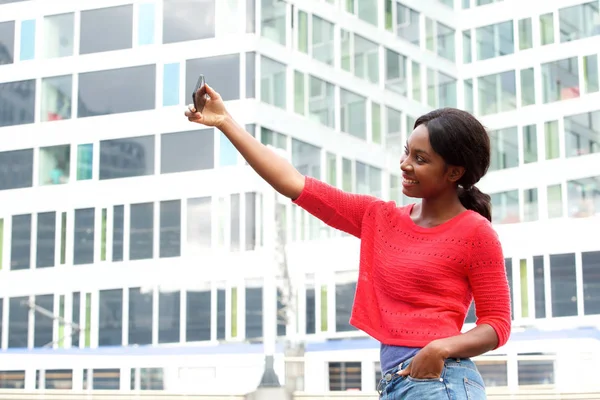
[415, 284]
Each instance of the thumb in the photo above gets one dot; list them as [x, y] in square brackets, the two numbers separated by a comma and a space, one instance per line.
[212, 93]
[404, 372]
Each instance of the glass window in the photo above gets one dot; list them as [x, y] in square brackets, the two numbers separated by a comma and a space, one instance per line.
[331, 169]
[171, 84]
[199, 225]
[125, 158]
[223, 69]
[141, 231]
[505, 148]
[539, 286]
[306, 158]
[582, 134]
[170, 229]
[552, 142]
[446, 90]
[353, 114]
[58, 35]
[345, 376]
[140, 316]
[564, 286]
[505, 207]
[254, 310]
[7, 42]
[43, 325]
[299, 92]
[146, 23]
[116, 91]
[530, 145]
[228, 154]
[20, 242]
[302, 40]
[469, 101]
[525, 34]
[578, 22]
[583, 197]
[321, 102]
[28, 40]
[46, 240]
[187, 151]
[527, 87]
[85, 156]
[275, 139]
[555, 202]
[273, 82]
[368, 179]
[250, 16]
[56, 98]
[273, 24]
[18, 322]
[590, 73]
[366, 59]
[344, 295]
[118, 232]
[376, 123]
[416, 82]
[83, 236]
[250, 225]
[590, 266]
[530, 202]
[182, 21]
[445, 42]
[17, 103]
[106, 29]
[366, 10]
[560, 80]
[395, 72]
[110, 319]
[16, 169]
[547, 29]
[495, 40]
[169, 306]
[497, 93]
[198, 315]
[408, 25]
[55, 164]
[251, 75]
[322, 40]
[393, 139]
[467, 43]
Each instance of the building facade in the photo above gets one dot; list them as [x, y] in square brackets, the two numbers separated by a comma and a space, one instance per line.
[139, 251]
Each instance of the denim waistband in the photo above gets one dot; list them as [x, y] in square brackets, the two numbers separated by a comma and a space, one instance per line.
[449, 362]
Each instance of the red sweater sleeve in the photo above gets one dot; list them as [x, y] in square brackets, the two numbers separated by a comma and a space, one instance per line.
[341, 210]
[487, 276]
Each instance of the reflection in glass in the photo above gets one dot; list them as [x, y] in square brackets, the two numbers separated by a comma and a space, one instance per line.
[273, 20]
[43, 325]
[28, 40]
[16, 169]
[321, 101]
[140, 316]
[408, 24]
[17, 103]
[527, 87]
[497, 93]
[322, 40]
[530, 145]
[110, 319]
[187, 151]
[83, 237]
[353, 114]
[46, 240]
[116, 91]
[118, 232]
[495, 40]
[85, 155]
[446, 90]
[560, 80]
[169, 306]
[445, 42]
[530, 203]
[505, 207]
[505, 148]
[7, 42]
[223, 69]
[56, 98]
[146, 23]
[18, 322]
[395, 72]
[171, 84]
[129, 157]
[306, 158]
[198, 315]
[590, 270]
[582, 134]
[254, 310]
[273, 82]
[20, 242]
[564, 285]
[141, 231]
[555, 201]
[368, 179]
[106, 29]
[584, 197]
[170, 229]
[366, 59]
[185, 20]
[579, 22]
[590, 73]
[58, 35]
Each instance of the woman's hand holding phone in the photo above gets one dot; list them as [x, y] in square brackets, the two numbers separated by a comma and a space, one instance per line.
[214, 112]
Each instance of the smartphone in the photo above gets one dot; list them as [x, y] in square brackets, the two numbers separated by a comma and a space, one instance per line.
[199, 94]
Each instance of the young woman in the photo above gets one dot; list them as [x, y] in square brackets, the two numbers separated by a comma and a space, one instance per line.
[420, 265]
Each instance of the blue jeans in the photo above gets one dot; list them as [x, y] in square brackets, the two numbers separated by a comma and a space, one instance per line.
[460, 380]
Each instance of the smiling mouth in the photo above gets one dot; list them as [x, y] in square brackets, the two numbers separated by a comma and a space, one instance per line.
[409, 181]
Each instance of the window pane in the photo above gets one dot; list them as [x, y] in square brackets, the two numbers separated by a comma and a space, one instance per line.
[235, 222]
[273, 82]
[17, 102]
[564, 287]
[43, 325]
[590, 73]
[530, 145]
[273, 20]
[376, 123]
[505, 207]
[83, 237]
[250, 16]
[223, 69]
[578, 22]
[20, 248]
[117, 91]
[530, 202]
[187, 151]
[321, 101]
[58, 35]
[16, 169]
[322, 40]
[118, 232]
[110, 319]
[302, 40]
[198, 315]
[199, 226]
[171, 84]
[18, 322]
[140, 316]
[590, 266]
[106, 29]
[495, 40]
[551, 136]
[366, 59]
[228, 154]
[55, 164]
[560, 80]
[497, 93]
[527, 87]
[525, 34]
[250, 225]
[7, 42]
[446, 91]
[539, 285]
[124, 158]
[582, 134]
[146, 21]
[345, 376]
[505, 148]
[141, 231]
[555, 202]
[85, 155]
[182, 21]
[299, 92]
[169, 305]
[46, 240]
[547, 28]
[344, 297]
[251, 75]
[353, 114]
[583, 197]
[306, 158]
[467, 43]
[56, 98]
[395, 72]
[170, 228]
[254, 312]
[28, 40]
[445, 41]
[408, 24]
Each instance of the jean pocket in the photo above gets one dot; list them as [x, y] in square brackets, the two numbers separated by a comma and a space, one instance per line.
[475, 391]
[438, 379]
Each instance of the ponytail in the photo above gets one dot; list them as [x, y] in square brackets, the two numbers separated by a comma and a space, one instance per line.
[474, 199]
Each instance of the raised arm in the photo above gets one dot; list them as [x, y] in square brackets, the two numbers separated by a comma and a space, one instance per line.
[336, 208]
[277, 171]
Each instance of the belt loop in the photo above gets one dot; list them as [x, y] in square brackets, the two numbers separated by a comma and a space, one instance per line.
[458, 360]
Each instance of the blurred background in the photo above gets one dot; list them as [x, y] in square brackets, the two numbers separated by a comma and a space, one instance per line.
[141, 256]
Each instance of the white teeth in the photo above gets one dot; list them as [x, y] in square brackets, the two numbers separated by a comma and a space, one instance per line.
[411, 182]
